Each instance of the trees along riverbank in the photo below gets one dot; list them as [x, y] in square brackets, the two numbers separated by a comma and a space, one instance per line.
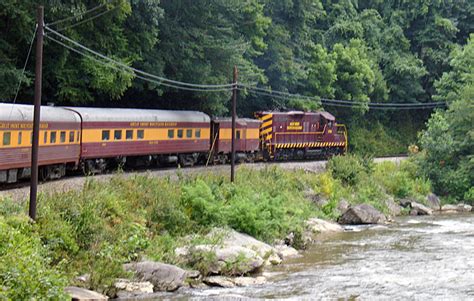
[105, 225]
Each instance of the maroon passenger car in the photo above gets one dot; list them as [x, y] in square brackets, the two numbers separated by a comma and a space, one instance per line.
[59, 144]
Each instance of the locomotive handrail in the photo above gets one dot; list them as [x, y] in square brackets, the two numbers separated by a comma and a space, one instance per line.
[344, 132]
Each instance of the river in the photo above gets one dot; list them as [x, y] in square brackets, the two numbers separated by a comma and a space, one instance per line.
[416, 258]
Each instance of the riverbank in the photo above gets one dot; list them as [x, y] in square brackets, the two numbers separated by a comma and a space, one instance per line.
[95, 231]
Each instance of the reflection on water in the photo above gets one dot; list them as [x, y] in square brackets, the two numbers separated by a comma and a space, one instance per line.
[417, 258]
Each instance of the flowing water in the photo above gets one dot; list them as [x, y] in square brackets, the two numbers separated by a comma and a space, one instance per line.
[417, 258]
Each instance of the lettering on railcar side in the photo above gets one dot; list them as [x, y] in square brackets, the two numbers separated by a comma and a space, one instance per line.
[153, 124]
[5, 125]
[294, 125]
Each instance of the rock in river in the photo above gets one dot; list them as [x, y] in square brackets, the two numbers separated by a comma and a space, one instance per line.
[421, 209]
[362, 214]
[164, 277]
[432, 200]
[82, 294]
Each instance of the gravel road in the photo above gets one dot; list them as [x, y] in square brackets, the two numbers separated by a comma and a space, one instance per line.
[77, 182]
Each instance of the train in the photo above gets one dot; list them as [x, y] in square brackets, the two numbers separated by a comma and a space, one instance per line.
[96, 139]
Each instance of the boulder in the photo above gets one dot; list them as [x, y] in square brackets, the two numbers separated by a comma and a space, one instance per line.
[82, 294]
[342, 206]
[448, 208]
[432, 200]
[127, 288]
[219, 281]
[393, 208]
[405, 202]
[238, 260]
[286, 252]
[248, 281]
[464, 208]
[362, 214]
[421, 209]
[317, 225]
[164, 277]
[230, 282]
[233, 238]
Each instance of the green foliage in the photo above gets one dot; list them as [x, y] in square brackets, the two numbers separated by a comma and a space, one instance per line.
[25, 273]
[349, 169]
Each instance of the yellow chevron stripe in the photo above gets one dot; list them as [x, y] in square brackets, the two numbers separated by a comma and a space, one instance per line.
[267, 123]
[266, 117]
[265, 131]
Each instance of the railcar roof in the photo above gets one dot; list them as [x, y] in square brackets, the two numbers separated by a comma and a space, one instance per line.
[238, 120]
[325, 114]
[17, 112]
[138, 115]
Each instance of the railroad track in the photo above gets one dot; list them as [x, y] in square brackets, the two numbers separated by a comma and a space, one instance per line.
[20, 191]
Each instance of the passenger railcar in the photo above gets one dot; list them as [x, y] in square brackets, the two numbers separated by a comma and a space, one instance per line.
[246, 139]
[136, 137]
[59, 142]
[300, 135]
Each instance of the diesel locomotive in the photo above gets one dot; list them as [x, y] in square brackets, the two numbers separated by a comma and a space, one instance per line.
[94, 139]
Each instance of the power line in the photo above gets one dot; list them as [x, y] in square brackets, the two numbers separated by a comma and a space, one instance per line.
[137, 76]
[350, 104]
[159, 78]
[78, 15]
[87, 20]
[374, 105]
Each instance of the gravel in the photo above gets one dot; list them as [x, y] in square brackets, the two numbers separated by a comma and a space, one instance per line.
[77, 182]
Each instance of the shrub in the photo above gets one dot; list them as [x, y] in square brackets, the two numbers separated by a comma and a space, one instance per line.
[348, 169]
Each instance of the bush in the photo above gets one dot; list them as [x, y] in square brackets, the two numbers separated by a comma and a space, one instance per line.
[349, 169]
[25, 273]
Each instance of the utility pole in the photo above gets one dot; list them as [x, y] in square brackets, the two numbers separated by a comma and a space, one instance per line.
[234, 116]
[36, 117]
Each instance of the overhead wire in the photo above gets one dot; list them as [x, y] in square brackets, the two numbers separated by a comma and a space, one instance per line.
[348, 104]
[159, 78]
[272, 92]
[78, 15]
[121, 69]
[87, 20]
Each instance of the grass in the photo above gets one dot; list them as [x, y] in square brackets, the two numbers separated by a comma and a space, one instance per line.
[97, 229]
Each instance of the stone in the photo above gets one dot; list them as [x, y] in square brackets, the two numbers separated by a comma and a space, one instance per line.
[133, 288]
[82, 294]
[317, 225]
[432, 200]
[193, 274]
[393, 208]
[362, 214]
[421, 209]
[316, 198]
[448, 208]
[286, 252]
[273, 259]
[83, 278]
[249, 281]
[219, 281]
[342, 206]
[164, 277]
[405, 203]
[464, 208]
[241, 260]
[413, 212]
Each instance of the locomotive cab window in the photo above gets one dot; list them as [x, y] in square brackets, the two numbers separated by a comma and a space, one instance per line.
[7, 137]
[180, 134]
[140, 134]
[105, 135]
[171, 134]
[197, 134]
[129, 135]
[189, 133]
[117, 134]
[52, 137]
[71, 136]
[62, 137]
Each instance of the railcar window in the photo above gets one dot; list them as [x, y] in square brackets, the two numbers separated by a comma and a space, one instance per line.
[237, 134]
[31, 137]
[78, 136]
[19, 137]
[45, 138]
[7, 137]
[140, 134]
[197, 133]
[129, 135]
[62, 137]
[71, 136]
[170, 133]
[52, 137]
[117, 134]
[189, 133]
[106, 135]
[180, 134]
